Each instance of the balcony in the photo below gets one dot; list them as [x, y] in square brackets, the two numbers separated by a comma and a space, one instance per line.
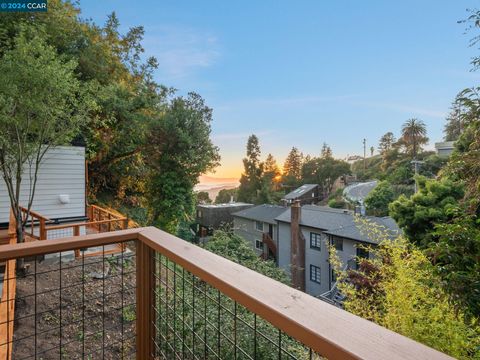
[164, 298]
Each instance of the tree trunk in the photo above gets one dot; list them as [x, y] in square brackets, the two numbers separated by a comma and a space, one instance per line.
[20, 239]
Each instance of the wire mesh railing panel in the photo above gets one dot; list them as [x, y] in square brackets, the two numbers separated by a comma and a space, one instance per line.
[74, 308]
[193, 320]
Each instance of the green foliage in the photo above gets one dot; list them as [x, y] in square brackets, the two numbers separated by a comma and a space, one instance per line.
[398, 288]
[414, 135]
[380, 197]
[456, 256]
[145, 147]
[386, 143]
[203, 198]
[324, 171]
[337, 203]
[236, 249]
[292, 168]
[225, 195]
[251, 180]
[433, 203]
[179, 151]
[42, 105]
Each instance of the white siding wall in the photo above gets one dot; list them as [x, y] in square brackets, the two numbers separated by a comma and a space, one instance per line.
[62, 172]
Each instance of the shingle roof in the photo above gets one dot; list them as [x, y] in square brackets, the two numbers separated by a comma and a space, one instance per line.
[300, 191]
[340, 222]
[266, 213]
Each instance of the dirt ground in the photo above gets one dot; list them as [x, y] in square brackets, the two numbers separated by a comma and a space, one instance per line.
[77, 313]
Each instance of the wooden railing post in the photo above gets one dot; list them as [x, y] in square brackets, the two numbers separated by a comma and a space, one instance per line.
[76, 232]
[42, 230]
[145, 301]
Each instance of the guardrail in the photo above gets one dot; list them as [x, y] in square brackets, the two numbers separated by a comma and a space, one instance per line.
[187, 303]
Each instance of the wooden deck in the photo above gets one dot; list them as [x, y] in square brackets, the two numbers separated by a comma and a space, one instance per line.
[7, 300]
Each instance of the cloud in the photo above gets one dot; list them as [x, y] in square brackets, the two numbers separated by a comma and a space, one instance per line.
[181, 51]
[284, 101]
[239, 136]
[412, 110]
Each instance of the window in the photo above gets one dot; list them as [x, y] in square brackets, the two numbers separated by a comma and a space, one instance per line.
[259, 226]
[199, 214]
[337, 243]
[315, 274]
[258, 245]
[334, 276]
[315, 241]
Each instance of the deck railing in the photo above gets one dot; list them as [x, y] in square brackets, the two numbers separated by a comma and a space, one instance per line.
[171, 299]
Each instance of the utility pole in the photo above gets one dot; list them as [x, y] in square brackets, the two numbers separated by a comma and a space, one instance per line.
[416, 164]
[364, 154]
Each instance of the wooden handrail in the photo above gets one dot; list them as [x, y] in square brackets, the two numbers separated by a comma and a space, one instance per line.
[104, 211]
[92, 223]
[327, 330]
[34, 214]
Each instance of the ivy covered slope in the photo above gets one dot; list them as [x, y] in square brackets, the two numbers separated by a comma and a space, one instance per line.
[146, 146]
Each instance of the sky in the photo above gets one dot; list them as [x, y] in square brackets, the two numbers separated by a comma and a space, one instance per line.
[301, 73]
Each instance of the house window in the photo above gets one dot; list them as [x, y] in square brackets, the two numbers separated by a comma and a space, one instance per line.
[258, 245]
[334, 276]
[259, 226]
[337, 243]
[315, 241]
[315, 274]
[199, 214]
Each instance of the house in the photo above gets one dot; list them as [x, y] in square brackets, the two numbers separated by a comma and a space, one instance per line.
[306, 194]
[312, 229]
[211, 217]
[445, 149]
[60, 191]
[258, 226]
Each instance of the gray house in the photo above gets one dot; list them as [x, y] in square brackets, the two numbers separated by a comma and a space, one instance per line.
[258, 226]
[445, 149]
[306, 194]
[317, 227]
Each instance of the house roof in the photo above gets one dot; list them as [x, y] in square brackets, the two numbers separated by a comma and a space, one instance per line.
[266, 213]
[300, 191]
[341, 223]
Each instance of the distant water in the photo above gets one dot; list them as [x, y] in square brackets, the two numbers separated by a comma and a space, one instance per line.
[210, 186]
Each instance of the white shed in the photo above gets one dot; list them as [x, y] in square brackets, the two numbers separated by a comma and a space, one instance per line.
[60, 191]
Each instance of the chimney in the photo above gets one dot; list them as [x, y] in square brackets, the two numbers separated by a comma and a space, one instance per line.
[297, 250]
[231, 199]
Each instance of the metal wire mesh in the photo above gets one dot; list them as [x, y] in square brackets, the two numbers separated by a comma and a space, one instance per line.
[67, 308]
[193, 320]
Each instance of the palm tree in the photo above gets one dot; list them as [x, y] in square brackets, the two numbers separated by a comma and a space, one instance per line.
[414, 135]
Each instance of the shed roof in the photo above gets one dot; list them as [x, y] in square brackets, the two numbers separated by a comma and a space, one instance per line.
[300, 191]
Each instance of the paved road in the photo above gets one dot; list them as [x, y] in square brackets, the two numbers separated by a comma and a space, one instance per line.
[359, 191]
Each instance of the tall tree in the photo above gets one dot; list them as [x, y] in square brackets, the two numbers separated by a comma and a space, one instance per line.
[386, 142]
[372, 150]
[292, 168]
[42, 105]
[179, 151]
[251, 179]
[272, 174]
[326, 151]
[414, 135]
[324, 172]
[455, 122]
